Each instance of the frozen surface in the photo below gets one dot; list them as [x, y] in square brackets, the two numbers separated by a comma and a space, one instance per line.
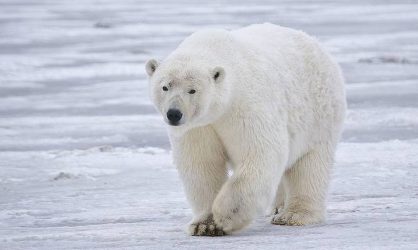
[84, 158]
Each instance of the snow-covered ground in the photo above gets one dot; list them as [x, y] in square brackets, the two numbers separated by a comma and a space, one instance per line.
[84, 158]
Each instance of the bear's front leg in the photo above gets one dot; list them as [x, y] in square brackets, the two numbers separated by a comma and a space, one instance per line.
[200, 160]
[249, 190]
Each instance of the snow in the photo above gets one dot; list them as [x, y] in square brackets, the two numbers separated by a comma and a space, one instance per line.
[85, 160]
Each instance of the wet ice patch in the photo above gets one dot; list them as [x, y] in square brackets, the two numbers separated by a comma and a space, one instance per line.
[388, 59]
[103, 25]
[63, 175]
[88, 173]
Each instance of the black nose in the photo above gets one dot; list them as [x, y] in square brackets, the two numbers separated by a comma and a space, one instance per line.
[174, 116]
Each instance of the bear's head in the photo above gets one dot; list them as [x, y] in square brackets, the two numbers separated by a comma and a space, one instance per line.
[187, 94]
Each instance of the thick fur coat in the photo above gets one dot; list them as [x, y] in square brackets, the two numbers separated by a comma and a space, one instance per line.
[264, 101]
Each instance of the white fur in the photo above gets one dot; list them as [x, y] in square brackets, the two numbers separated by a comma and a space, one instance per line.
[273, 115]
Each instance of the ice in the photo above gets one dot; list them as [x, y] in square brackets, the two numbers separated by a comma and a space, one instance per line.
[85, 160]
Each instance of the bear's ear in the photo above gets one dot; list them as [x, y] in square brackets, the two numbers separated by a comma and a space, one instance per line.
[218, 74]
[151, 66]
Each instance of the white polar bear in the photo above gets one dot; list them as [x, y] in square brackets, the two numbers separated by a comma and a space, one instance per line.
[264, 101]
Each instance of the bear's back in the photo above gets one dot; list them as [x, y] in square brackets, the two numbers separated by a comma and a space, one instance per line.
[274, 41]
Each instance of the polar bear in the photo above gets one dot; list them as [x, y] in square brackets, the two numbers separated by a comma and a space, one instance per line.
[254, 118]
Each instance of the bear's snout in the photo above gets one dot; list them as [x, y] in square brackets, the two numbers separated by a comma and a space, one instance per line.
[174, 116]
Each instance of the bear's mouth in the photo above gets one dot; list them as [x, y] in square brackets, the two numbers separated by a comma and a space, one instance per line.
[174, 123]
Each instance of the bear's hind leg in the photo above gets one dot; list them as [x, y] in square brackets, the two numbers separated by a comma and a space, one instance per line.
[306, 184]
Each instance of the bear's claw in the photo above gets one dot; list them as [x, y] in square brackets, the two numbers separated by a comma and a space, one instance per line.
[206, 228]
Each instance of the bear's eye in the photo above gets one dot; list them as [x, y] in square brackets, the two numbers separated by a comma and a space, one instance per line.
[165, 88]
[192, 91]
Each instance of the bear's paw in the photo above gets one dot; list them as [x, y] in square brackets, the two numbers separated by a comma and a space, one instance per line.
[207, 227]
